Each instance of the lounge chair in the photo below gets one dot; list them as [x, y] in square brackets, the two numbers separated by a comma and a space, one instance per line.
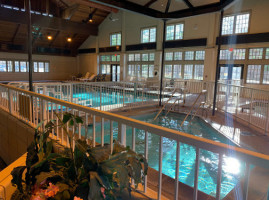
[87, 75]
[90, 78]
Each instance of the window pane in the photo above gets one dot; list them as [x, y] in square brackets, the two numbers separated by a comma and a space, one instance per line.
[131, 57]
[239, 54]
[17, 66]
[177, 55]
[237, 71]
[118, 58]
[152, 35]
[114, 58]
[199, 72]
[145, 35]
[151, 56]
[169, 56]
[267, 54]
[23, 67]
[103, 67]
[189, 55]
[145, 57]
[46, 67]
[113, 40]
[9, 66]
[3, 66]
[137, 57]
[35, 67]
[224, 73]
[227, 25]
[177, 71]
[253, 73]
[168, 71]
[151, 70]
[102, 58]
[266, 74]
[200, 55]
[119, 39]
[170, 32]
[41, 67]
[179, 31]
[107, 58]
[108, 69]
[225, 55]
[145, 71]
[242, 22]
[255, 53]
[188, 71]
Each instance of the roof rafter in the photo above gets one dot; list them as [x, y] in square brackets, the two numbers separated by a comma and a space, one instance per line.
[54, 23]
[188, 3]
[15, 34]
[167, 6]
[150, 3]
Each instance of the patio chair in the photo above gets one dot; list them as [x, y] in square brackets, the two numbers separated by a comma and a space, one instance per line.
[103, 77]
[89, 79]
[87, 75]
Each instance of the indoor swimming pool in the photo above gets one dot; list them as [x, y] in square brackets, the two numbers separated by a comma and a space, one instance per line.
[232, 168]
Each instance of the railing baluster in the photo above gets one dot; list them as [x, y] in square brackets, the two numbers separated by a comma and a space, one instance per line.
[146, 156]
[111, 136]
[133, 138]
[102, 132]
[93, 130]
[62, 130]
[219, 177]
[177, 170]
[86, 127]
[246, 182]
[197, 161]
[160, 168]
[79, 127]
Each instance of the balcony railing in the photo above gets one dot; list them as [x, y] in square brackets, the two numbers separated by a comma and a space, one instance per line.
[33, 107]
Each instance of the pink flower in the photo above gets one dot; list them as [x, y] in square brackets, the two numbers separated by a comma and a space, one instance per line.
[52, 190]
[77, 198]
[103, 192]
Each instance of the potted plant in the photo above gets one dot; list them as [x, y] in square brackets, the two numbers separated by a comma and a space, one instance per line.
[79, 171]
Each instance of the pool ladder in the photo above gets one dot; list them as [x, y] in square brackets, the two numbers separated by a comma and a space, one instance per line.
[192, 108]
[167, 102]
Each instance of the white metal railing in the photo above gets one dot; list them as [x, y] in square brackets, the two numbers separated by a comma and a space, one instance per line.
[33, 108]
[248, 104]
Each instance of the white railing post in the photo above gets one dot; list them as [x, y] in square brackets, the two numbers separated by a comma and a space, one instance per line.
[267, 120]
[251, 105]
[122, 134]
[71, 92]
[10, 97]
[123, 101]
[100, 97]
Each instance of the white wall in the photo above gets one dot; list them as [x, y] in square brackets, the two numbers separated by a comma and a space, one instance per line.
[61, 68]
[202, 26]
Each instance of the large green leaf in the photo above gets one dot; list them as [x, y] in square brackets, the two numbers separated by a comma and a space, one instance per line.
[17, 177]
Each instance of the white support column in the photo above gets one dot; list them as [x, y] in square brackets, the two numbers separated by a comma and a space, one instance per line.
[122, 134]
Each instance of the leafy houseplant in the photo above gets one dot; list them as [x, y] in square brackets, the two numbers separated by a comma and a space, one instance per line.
[79, 171]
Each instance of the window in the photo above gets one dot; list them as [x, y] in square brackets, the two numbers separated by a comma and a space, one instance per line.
[169, 56]
[148, 35]
[145, 69]
[239, 54]
[145, 57]
[177, 55]
[9, 66]
[137, 57]
[151, 70]
[35, 67]
[267, 54]
[225, 55]
[242, 22]
[235, 24]
[177, 71]
[253, 74]
[266, 74]
[199, 72]
[105, 69]
[188, 71]
[41, 67]
[115, 39]
[151, 57]
[168, 71]
[189, 55]
[46, 67]
[131, 57]
[17, 66]
[23, 67]
[199, 55]
[174, 32]
[3, 66]
[255, 53]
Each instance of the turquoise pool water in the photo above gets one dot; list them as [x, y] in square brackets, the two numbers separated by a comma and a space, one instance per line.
[232, 168]
[111, 98]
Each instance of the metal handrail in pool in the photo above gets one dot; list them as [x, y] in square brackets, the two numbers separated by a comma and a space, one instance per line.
[19, 102]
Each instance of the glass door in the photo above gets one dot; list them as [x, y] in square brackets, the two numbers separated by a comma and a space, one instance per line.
[115, 73]
[233, 73]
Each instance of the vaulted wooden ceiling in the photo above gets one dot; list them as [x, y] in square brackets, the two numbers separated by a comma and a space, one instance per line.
[59, 18]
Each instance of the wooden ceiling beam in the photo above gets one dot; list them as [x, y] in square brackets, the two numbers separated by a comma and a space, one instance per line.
[95, 5]
[167, 6]
[16, 33]
[54, 23]
[188, 3]
[150, 3]
[54, 38]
